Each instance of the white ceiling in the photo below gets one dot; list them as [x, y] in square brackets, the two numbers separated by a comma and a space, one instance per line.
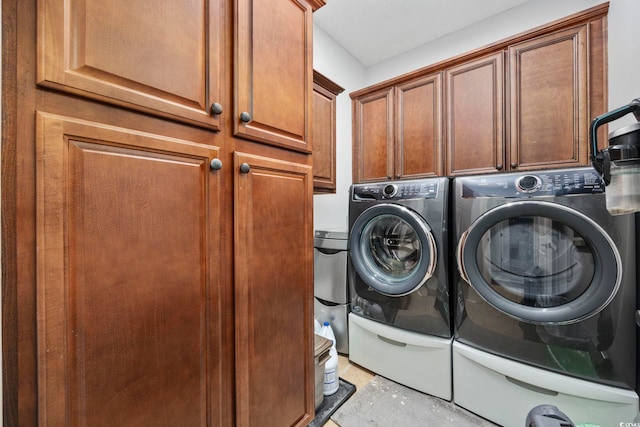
[376, 30]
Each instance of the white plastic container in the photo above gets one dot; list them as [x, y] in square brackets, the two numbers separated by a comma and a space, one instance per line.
[623, 193]
[331, 378]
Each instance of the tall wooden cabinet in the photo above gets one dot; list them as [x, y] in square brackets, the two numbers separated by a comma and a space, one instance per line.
[158, 222]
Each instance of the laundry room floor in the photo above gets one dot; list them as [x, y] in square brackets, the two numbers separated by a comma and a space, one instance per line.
[360, 377]
[355, 374]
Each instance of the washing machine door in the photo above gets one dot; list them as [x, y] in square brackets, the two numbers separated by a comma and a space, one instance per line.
[392, 249]
[540, 262]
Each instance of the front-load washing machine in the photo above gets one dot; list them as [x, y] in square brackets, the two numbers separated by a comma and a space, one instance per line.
[545, 298]
[400, 320]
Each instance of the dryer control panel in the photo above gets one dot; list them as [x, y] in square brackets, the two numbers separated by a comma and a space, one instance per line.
[397, 190]
[539, 183]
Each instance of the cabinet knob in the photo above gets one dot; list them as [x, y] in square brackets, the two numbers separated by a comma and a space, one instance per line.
[388, 176]
[245, 168]
[245, 117]
[216, 164]
[514, 165]
[216, 108]
[499, 166]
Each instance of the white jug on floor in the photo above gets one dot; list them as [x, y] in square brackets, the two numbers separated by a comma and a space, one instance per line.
[331, 378]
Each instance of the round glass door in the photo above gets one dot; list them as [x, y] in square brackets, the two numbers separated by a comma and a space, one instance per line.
[392, 249]
[540, 262]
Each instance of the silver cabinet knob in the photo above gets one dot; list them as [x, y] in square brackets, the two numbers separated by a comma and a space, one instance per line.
[499, 166]
[216, 108]
[245, 117]
[245, 168]
[216, 164]
[514, 165]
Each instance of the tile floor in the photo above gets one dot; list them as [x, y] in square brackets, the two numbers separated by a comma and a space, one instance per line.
[353, 373]
[356, 375]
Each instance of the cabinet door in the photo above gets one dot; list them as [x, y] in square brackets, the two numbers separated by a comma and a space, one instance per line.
[475, 117]
[548, 101]
[274, 72]
[325, 93]
[273, 292]
[419, 128]
[158, 56]
[373, 135]
[128, 278]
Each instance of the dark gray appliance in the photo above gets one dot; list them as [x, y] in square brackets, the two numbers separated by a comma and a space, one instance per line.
[330, 283]
[545, 297]
[400, 325]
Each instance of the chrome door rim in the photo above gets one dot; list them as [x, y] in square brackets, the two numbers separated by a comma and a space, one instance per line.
[366, 269]
[606, 258]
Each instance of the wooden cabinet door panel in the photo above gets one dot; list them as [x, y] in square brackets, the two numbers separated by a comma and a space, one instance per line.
[324, 131]
[549, 104]
[274, 72]
[159, 56]
[475, 135]
[128, 278]
[373, 143]
[274, 292]
[419, 129]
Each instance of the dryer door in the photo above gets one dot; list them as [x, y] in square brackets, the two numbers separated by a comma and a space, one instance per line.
[540, 262]
[392, 249]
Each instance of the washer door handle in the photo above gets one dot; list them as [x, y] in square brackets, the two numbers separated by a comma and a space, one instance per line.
[460, 262]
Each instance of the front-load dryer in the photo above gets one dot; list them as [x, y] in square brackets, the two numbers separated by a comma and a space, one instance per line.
[400, 321]
[545, 298]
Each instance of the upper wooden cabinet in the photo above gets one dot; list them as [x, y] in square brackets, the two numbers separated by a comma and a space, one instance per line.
[166, 58]
[549, 100]
[325, 93]
[521, 104]
[273, 101]
[475, 116]
[397, 131]
[128, 53]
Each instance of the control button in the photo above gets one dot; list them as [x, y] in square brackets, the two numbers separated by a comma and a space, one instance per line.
[389, 190]
[528, 183]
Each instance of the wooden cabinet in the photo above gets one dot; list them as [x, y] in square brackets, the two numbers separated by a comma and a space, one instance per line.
[475, 116]
[128, 53]
[129, 277]
[160, 282]
[397, 131]
[545, 121]
[275, 372]
[549, 100]
[167, 59]
[272, 101]
[520, 104]
[325, 93]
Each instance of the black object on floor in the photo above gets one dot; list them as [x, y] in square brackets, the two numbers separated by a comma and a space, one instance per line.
[332, 403]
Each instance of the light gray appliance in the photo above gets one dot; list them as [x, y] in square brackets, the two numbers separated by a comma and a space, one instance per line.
[331, 302]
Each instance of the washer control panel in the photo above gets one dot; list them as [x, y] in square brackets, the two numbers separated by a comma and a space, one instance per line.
[397, 190]
[540, 183]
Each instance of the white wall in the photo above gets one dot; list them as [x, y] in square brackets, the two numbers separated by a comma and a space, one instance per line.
[334, 62]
